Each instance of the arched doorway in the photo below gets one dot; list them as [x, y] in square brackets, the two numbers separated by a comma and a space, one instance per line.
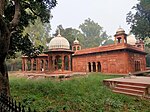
[99, 66]
[66, 63]
[94, 67]
[89, 66]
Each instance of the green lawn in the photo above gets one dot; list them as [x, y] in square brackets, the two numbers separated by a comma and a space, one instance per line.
[84, 94]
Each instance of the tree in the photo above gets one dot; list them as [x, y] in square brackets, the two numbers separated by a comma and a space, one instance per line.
[70, 34]
[94, 34]
[15, 15]
[90, 28]
[106, 40]
[147, 49]
[38, 33]
[14, 64]
[100, 38]
[140, 21]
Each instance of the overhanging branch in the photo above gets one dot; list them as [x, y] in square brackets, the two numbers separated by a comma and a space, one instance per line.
[29, 6]
[2, 5]
[17, 14]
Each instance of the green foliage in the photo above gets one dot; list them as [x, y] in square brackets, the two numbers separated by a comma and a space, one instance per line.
[90, 28]
[30, 10]
[14, 64]
[147, 50]
[92, 35]
[38, 33]
[140, 21]
[84, 94]
[71, 34]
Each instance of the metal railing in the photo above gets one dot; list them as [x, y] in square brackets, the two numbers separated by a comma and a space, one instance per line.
[7, 104]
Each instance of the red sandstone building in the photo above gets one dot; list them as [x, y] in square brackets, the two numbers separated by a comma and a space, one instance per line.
[124, 56]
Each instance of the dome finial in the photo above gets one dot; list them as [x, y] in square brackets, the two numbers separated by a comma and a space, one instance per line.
[58, 30]
[76, 38]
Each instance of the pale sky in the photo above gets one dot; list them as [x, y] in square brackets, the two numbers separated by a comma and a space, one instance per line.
[110, 14]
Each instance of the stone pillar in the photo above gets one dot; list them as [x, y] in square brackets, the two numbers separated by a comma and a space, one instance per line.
[44, 63]
[91, 67]
[69, 63]
[23, 64]
[115, 40]
[62, 66]
[25, 67]
[53, 63]
[123, 39]
[49, 62]
[32, 62]
[96, 64]
[37, 64]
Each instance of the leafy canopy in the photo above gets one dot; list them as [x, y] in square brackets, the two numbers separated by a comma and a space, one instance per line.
[29, 11]
[95, 37]
[94, 34]
[140, 21]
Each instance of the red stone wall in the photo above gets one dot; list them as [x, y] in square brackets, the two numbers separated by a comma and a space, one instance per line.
[136, 57]
[111, 62]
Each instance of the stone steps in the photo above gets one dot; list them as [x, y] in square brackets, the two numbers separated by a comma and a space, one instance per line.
[131, 86]
[131, 94]
[133, 89]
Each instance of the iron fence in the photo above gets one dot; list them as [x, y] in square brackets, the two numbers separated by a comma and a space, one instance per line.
[7, 104]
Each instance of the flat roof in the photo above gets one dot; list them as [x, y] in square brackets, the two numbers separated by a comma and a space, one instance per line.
[112, 47]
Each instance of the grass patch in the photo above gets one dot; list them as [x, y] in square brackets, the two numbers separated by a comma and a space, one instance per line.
[84, 94]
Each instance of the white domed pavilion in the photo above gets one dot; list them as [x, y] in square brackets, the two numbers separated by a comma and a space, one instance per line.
[59, 54]
[59, 42]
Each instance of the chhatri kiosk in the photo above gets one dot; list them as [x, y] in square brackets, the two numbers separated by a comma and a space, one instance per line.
[124, 56]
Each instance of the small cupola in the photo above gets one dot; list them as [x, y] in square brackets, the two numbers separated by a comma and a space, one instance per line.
[120, 36]
[76, 45]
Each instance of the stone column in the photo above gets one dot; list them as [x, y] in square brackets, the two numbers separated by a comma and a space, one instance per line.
[32, 62]
[96, 64]
[91, 67]
[53, 63]
[37, 64]
[23, 64]
[44, 63]
[49, 62]
[69, 63]
[123, 39]
[62, 66]
[115, 40]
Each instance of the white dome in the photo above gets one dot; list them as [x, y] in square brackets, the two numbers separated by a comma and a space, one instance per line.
[76, 42]
[131, 39]
[120, 30]
[59, 42]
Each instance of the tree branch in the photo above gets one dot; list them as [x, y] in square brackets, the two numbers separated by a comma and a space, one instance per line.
[2, 5]
[29, 6]
[17, 14]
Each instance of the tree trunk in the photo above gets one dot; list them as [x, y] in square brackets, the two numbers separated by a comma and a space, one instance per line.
[4, 80]
[4, 47]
